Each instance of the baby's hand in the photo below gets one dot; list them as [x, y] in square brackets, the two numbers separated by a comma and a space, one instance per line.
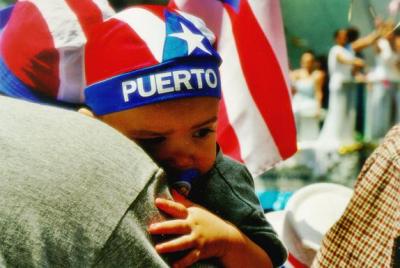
[205, 234]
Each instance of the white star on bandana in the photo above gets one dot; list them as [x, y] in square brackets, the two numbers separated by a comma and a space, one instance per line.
[193, 40]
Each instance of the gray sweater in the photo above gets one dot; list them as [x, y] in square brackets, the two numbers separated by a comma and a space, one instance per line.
[73, 192]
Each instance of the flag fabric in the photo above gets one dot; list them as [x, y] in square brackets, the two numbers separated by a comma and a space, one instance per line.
[256, 124]
[41, 48]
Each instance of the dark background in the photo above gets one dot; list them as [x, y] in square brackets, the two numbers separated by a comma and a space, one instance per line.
[118, 4]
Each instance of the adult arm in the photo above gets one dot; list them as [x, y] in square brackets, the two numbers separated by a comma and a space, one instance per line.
[365, 41]
[356, 62]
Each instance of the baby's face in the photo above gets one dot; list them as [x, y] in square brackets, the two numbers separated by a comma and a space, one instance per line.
[178, 134]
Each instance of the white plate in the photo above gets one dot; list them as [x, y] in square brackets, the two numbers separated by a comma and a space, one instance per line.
[313, 209]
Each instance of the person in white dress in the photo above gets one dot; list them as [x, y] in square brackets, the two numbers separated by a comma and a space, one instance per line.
[384, 96]
[338, 128]
[307, 85]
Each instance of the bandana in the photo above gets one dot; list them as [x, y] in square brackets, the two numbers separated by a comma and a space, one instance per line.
[149, 54]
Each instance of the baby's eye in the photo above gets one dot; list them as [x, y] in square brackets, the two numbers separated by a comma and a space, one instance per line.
[150, 141]
[202, 133]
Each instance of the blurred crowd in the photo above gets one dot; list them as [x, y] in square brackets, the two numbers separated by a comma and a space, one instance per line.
[339, 100]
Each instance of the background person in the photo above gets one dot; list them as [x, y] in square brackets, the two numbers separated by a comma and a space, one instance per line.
[384, 95]
[307, 83]
[356, 45]
[339, 125]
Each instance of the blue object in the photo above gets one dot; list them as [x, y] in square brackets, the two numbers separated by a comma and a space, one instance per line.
[233, 3]
[274, 200]
[13, 87]
[140, 87]
[184, 182]
[5, 15]
[175, 47]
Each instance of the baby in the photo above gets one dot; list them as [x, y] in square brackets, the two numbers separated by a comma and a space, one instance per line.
[153, 75]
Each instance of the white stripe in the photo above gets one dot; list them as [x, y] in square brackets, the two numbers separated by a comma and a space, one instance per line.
[106, 10]
[268, 15]
[62, 22]
[257, 146]
[71, 76]
[69, 39]
[148, 26]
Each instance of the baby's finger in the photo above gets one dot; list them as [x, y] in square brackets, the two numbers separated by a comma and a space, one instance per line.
[172, 208]
[189, 259]
[170, 227]
[177, 244]
[180, 198]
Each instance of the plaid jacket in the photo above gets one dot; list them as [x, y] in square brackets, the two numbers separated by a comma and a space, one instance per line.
[364, 236]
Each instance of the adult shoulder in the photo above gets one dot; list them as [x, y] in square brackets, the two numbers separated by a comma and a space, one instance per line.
[65, 183]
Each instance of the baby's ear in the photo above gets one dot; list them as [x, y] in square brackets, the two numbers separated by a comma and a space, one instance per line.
[86, 112]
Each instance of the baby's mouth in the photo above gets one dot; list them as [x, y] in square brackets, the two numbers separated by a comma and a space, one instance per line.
[182, 181]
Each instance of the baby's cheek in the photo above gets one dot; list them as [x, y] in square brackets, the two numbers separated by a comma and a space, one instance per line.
[207, 164]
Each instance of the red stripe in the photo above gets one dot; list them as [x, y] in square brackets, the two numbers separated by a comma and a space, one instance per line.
[31, 54]
[156, 10]
[105, 56]
[226, 136]
[88, 13]
[295, 262]
[264, 78]
[172, 5]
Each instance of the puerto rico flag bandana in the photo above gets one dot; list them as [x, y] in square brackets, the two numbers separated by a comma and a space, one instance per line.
[152, 54]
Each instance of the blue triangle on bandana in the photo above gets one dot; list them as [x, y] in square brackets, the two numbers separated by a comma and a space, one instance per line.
[175, 47]
[5, 15]
[233, 3]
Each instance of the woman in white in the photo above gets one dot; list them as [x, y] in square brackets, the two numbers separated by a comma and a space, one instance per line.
[307, 97]
[383, 109]
[339, 125]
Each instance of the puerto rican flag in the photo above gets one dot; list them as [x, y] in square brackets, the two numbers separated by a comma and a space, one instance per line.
[256, 124]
